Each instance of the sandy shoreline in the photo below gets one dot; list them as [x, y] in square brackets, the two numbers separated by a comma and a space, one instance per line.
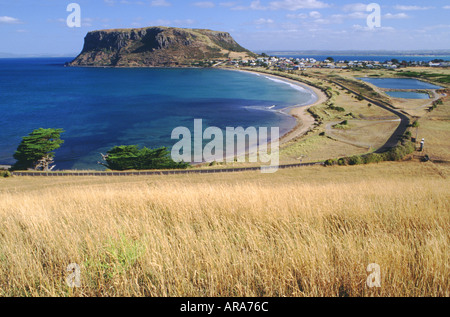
[305, 121]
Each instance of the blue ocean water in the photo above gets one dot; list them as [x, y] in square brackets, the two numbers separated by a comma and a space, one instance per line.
[408, 95]
[399, 83]
[103, 107]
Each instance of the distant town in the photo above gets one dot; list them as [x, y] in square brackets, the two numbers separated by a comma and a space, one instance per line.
[286, 63]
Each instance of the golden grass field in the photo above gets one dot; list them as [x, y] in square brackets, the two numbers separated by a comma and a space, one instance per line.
[299, 232]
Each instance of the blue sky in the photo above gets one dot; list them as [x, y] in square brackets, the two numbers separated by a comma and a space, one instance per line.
[39, 26]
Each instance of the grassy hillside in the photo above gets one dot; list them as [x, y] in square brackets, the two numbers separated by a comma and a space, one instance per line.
[300, 232]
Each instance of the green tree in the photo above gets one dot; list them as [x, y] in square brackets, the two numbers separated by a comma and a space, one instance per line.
[36, 150]
[130, 157]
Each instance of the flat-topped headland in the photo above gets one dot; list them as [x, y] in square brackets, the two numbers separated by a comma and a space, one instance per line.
[157, 47]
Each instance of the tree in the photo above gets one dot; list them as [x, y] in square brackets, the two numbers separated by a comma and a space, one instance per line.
[331, 59]
[35, 150]
[130, 157]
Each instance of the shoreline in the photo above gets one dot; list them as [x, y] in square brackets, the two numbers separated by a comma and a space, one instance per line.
[304, 120]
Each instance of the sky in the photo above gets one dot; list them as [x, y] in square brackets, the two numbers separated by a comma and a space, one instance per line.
[40, 26]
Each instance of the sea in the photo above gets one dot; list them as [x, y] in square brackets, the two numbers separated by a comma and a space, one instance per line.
[100, 108]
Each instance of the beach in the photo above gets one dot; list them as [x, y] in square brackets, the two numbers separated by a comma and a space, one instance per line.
[305, 121]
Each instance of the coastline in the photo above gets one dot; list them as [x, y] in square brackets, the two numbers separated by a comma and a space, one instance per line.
[305, 121]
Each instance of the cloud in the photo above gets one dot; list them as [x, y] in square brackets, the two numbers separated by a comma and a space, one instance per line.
[297, 16]
[316, 17]
[358, 27]
[395, 16]
[263, 21]
[87, 22]
[411, 8]
[293, 5]
[9, 20]
[315, 14]
[435, 27]
[228, 4]
[290, 5]
[204, 4]
[179, 23]
[355, 7]
[160, 3]
[153, 3]
[446, 7]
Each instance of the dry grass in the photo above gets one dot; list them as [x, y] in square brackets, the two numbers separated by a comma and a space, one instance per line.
[369, 128]
[317, 148]
[435, 128]
[300, 232]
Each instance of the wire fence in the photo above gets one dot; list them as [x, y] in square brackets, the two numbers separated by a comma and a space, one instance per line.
[167, 172]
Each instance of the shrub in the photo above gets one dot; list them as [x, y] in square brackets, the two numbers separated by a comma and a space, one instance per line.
[355, 160]
[407, 135]
[372, 158]
[342, 161]
[332, 107]
[395, 154]
[399, 152]
[5, 174]
[131, 157]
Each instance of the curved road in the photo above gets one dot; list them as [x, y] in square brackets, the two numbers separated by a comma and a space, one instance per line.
[401, 129]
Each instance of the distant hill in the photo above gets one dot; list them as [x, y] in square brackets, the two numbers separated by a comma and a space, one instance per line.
[157, 47]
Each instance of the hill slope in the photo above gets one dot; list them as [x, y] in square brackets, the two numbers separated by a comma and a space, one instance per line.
[156, 47]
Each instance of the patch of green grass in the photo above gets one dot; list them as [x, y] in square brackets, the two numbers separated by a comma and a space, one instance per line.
[342, 126]
[118, 256]
[441, 78]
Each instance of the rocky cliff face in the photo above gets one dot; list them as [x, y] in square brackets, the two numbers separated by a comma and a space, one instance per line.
[156, 47]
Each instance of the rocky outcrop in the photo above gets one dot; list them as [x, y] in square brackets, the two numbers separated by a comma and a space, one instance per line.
[157, 47]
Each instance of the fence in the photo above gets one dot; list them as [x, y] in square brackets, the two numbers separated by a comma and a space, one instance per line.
[150, 173]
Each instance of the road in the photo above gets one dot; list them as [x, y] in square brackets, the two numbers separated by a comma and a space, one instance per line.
[401, 129]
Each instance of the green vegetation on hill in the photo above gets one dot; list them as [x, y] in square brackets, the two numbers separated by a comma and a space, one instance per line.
[130, 157]
[440, 78]
[36, 150]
